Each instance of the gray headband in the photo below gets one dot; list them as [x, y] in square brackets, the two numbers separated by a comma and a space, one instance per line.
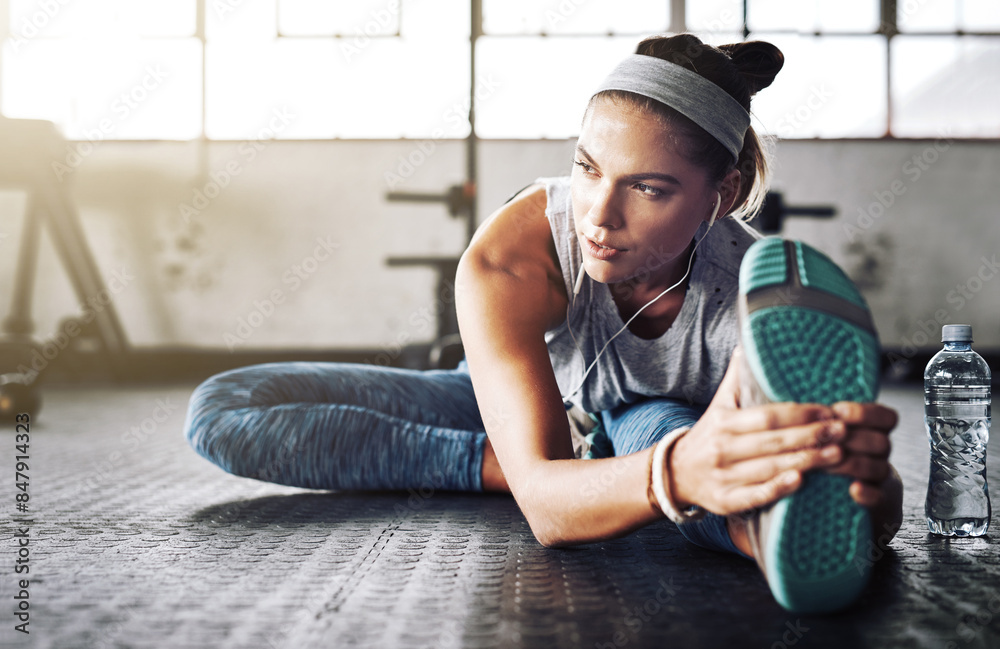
[687, 92]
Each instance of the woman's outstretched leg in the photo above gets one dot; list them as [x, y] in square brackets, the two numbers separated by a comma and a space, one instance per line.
[341, 426]
[634, 427]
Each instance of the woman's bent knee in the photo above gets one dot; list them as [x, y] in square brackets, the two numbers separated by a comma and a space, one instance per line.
[209, 403]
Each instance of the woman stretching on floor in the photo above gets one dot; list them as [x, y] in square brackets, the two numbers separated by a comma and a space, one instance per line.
[615, 291]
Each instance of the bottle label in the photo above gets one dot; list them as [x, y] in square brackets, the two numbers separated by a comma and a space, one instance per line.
[957, 410]
[979, 393]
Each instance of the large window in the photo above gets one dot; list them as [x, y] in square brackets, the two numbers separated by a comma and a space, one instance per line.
[108, 69]
[155, 69]
[359, 69]
[235, 69]
[905, 68]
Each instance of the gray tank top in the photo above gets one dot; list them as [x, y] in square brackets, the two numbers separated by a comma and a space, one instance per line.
[687, 362]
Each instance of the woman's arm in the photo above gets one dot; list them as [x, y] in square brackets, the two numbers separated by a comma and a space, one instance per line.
[509, 292]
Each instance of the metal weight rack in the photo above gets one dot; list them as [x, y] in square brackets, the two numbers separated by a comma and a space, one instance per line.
[35, 162]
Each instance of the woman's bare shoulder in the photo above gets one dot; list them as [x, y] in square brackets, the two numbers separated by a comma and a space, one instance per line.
[513, 261]
[517, 233]
[534, 193]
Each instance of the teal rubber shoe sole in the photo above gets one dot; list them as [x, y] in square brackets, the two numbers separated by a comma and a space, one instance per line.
[808, 337]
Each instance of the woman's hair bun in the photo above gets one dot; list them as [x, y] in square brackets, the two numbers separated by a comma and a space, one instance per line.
[758, 62]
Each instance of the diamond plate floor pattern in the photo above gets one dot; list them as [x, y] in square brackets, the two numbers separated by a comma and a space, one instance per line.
[137, 542]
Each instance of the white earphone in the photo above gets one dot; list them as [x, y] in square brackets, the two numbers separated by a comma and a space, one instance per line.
[579, 283]
[715, 212]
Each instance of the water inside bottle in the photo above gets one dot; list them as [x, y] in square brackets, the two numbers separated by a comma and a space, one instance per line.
[958, 423]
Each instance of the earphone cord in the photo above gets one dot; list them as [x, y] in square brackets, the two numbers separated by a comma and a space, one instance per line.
[634, 316]
[600, 353]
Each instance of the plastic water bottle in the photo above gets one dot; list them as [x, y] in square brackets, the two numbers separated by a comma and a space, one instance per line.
[957, 417]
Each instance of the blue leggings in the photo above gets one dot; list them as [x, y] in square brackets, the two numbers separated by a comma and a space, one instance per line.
[351, 426]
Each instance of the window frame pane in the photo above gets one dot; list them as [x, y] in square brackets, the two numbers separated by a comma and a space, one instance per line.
[939, 48]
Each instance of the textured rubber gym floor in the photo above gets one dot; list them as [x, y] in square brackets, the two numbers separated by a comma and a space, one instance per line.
[138, 542]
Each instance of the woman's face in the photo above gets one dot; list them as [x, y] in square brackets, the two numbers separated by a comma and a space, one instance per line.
[637, 202]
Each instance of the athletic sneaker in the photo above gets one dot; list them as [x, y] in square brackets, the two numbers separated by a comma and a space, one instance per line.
[807, 337]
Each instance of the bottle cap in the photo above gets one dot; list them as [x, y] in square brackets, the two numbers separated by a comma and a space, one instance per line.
[956, 333]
